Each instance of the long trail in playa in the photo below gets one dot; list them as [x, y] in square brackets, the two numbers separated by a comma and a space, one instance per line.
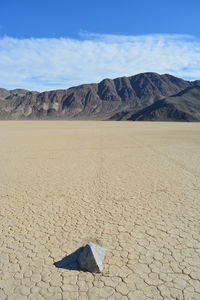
[131, 187]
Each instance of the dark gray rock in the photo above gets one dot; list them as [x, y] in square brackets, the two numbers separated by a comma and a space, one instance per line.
[91, 258]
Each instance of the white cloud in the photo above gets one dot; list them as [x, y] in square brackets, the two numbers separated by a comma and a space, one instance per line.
[45, 64]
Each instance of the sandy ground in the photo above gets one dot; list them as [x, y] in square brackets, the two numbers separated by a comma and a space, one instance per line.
[132, 187]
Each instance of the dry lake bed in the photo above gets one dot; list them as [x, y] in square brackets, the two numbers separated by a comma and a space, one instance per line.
[132, 187]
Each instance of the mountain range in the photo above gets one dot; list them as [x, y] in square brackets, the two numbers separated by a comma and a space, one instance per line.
[145, 96]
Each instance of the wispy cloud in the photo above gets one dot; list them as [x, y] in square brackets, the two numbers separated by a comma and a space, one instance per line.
[45, 64]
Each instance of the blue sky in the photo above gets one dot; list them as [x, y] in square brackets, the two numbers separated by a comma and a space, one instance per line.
[66, 18]
[47, 44]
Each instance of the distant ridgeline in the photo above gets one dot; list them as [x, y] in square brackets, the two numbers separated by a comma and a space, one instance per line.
[146, 96]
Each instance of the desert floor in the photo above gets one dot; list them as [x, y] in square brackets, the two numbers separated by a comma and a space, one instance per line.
[132, 187]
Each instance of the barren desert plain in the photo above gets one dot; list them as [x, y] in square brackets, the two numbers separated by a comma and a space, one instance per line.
[132, 187]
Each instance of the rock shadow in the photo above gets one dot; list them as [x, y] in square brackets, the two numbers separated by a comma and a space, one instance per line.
[70, 262]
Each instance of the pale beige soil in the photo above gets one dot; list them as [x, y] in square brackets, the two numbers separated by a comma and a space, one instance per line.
[132, 187]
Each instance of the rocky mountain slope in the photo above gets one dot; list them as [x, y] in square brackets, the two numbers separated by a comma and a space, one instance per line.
[17, 92]
[185, 106]
[107, 99]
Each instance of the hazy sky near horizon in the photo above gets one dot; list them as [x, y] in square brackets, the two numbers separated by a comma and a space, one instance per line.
[46, 44]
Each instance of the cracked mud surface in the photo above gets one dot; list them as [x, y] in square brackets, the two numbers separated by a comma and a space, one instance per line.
[132, 187]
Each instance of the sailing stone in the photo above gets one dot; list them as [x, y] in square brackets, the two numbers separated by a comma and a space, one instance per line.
[91, 258]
